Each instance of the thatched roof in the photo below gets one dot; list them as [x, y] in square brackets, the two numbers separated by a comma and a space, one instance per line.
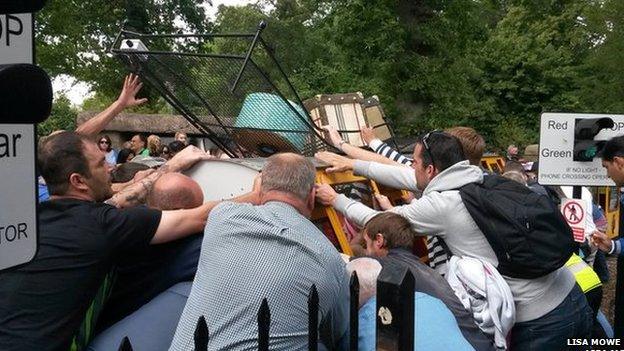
[133, 122]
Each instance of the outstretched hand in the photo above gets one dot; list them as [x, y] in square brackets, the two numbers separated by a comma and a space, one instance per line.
[338, 163]
[367, 134]
[132, 85]
[325, 194]
[334, 137]
[186, 158]
[383, 202]
[601, 240]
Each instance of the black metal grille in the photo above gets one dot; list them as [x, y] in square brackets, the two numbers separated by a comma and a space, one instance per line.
[229, 86]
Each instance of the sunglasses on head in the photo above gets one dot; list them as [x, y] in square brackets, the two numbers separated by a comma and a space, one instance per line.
[425, 142]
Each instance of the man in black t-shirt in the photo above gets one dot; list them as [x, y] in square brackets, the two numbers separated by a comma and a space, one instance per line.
[145, 274]
[43, 302]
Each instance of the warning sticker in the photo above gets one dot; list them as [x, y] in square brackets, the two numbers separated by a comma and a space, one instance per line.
[574, 211]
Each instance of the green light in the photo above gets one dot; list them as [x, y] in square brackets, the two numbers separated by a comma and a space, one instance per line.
[591, 152]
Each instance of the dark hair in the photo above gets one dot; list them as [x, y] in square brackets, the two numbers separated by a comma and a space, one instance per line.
[445, 149]
[110, 143]
[176, 146]
[143, 138]
[613, 148]
[126, 172]
[122, 156]
[395, 229]
[59, 156]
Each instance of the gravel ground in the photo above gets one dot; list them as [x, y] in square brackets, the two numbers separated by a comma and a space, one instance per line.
[608, 301]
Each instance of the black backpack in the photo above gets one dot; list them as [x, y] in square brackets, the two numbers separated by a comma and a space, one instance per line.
[525, 229]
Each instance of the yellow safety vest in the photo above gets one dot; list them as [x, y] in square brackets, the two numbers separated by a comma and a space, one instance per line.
[585, 276]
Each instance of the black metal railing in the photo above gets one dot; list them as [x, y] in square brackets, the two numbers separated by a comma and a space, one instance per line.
[394, 315]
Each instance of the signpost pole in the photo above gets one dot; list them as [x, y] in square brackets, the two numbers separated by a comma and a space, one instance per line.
[576, 192]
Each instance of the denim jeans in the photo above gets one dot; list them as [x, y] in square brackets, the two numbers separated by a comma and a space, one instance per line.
[571, 319]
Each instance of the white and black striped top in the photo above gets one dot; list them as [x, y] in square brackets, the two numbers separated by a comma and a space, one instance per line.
[269, 251]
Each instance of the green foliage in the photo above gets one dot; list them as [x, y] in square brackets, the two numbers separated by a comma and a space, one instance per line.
[530, 64]
[507, 132]
[62, 117]
[494, 65]
[603, 73]
[73, 37]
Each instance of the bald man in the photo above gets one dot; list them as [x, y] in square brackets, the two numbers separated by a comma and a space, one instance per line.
[142, 277]
[175, 191]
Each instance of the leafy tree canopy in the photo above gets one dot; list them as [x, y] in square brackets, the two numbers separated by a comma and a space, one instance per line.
[494, 65]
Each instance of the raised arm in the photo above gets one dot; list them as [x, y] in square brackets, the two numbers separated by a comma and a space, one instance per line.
[181, 223]
[126, 99]
[397, 177]
[355, 211]
[381, 148]
[423, 214]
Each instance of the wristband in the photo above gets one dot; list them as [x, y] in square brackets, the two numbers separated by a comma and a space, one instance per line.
[612, 247]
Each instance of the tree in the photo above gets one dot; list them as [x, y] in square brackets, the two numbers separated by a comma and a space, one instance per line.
[73, 37]
[530, 64]
[62, 117]
[494, 65]
[603, 73]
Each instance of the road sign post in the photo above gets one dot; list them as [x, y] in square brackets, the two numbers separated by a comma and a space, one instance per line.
[18, 95]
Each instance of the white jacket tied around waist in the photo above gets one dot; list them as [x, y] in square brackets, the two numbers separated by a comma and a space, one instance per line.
[484, 292]
[440, 211]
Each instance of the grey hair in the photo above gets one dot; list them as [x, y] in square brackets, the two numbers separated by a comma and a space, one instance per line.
[289, 173]
[368, 270]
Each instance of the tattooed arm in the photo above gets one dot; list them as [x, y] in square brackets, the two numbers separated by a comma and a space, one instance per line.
[136, 193]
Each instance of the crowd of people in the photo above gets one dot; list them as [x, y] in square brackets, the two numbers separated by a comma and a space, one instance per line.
[142, 145]
[139, 252]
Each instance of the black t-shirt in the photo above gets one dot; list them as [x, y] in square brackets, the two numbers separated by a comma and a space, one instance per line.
[43, 302]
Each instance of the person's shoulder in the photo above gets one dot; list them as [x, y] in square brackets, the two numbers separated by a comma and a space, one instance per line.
[227, 209]
[67, 205]
[106, 213]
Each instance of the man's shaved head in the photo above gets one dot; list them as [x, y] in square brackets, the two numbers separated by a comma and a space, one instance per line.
[174, 191]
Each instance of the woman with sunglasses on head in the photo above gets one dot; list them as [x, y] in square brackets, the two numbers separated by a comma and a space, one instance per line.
[106, 147]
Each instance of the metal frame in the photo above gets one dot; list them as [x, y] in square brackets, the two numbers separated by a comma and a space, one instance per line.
[130, 58]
